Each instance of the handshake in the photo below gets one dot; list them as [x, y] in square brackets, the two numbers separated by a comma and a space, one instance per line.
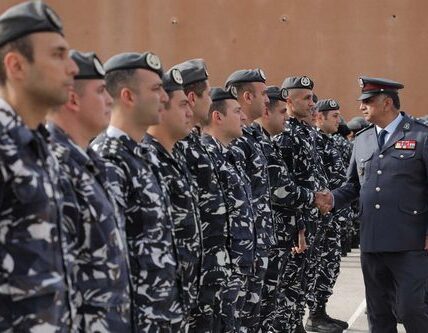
[324, 201]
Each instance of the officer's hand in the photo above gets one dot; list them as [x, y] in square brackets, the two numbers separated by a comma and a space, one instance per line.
[324, 201]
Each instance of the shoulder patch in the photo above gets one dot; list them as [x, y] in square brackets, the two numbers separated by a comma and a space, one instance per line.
[364, 129]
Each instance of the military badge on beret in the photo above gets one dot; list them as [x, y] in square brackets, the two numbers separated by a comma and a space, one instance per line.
[53, 17]
[305, 81]
[262, 74]
[233, 91]
[99, 67]
[284, 93]
[153, 61]
[176, 76]
[333, 103]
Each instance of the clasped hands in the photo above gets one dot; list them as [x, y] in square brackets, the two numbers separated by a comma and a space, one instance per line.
[324, 201]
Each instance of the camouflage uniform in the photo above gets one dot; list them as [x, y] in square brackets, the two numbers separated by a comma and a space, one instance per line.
[149, 230]
[185, 214]
[331, 246]
[215, 268]
[251, 159]
[352, 226]
[33, 286]
[287, 199]
[94, 235]
[298, 149]
[242, 234]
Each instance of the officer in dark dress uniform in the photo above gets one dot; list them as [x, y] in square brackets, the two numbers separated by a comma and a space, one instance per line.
[389, 173]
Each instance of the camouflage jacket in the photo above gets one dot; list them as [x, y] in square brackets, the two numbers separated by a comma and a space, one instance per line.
[297, 144]
[94, 228]
[211, 202]
[345, 148]
[33, 275]
[239, 205]
[185, 214]
[149, 228]
[288, 198]
[249, 154]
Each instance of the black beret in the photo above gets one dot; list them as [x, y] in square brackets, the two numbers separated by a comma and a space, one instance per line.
[298, 82]
[276, 93]
[246, 75]
[219, 94]
[172, 80]
[90, 67]
[357, 123]
[26, 18]
[193, 71]
[324, 105]
[374, 86]
[134, 60]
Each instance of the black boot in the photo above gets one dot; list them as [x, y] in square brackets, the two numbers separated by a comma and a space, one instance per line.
[321, 316]
[316, 323]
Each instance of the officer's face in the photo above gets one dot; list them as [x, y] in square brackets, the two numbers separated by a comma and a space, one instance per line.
[49, 78]
[373, 108]
[259, 100]
[202, 105]
[233, 120]
[148, 97]
[177, 118]
[277, 117]
[331, 122]
[95, 105]
[300, 102]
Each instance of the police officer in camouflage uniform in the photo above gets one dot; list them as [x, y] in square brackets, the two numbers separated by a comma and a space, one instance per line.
[287, 198]
[95, 228]
[221, 128]
[251, 90]
[134, 81]
[35, 75]
[176, 123]
[215, 268]
[327, 122]
[298, 149]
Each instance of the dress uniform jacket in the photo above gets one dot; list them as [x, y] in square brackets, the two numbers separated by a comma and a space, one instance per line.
[392, 186]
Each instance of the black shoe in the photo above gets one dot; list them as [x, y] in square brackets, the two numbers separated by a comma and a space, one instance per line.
[300, 329]
[321, 325]
[343, 324]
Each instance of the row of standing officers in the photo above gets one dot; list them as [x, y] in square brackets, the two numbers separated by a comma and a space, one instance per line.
[134, 199]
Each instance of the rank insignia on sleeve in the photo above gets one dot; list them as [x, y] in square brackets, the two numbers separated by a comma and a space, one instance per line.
[406, 145]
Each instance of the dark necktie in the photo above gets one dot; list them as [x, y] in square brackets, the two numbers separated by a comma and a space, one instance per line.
[381, 138]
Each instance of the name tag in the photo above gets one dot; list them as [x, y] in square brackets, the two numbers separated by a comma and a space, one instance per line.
[406, 144]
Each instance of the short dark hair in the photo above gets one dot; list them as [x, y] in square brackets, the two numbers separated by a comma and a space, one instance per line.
[242, 87]
[170, 95]
[272, 104]
[23, 45]
[198, 88]
[118, 79]
[395, 100]
[219, 106]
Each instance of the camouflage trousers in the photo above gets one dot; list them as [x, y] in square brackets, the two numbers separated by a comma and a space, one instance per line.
[232, 302]
[327, 270]
[104, 319]
[206, 316]
[276, 265]
[251, 312]
[298, 276]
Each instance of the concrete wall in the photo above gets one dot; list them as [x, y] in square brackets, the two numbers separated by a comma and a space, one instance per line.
[332, 41]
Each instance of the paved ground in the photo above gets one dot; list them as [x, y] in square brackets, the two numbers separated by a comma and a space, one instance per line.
[348, 301]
